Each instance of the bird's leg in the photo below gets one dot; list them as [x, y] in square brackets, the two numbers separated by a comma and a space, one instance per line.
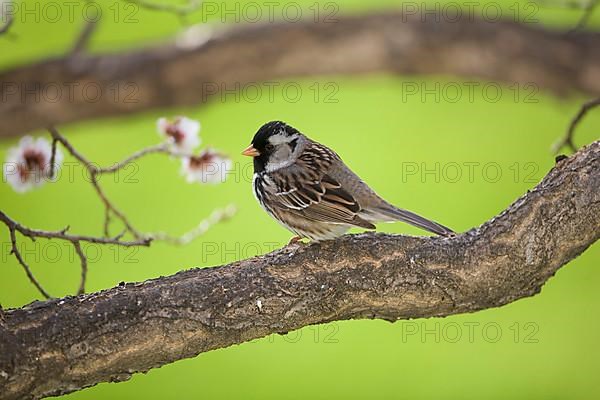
[294, 240]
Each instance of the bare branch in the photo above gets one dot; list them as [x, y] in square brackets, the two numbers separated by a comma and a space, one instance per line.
[63, 235]
[50, 348]
[53, 158]
[587, 13]
[83, 260]
[107, 222]
[201, 68]
[15, 251]
[94, 171]
[159, 148]
[110, 208]
[567, 140]
[14, 226]
[140, 238]
[8, 21]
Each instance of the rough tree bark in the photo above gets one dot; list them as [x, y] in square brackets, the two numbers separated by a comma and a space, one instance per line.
[176, 74]
[60, 346]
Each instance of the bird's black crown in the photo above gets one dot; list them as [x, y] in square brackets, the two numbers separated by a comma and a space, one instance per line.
[269, 129]
[260, 141]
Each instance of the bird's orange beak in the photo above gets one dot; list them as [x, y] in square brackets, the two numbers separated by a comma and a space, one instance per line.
[250, 151]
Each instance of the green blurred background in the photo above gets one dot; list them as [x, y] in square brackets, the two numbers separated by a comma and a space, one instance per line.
[542, 347]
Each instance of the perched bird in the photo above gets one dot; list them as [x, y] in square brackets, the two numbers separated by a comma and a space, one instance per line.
[307, 188]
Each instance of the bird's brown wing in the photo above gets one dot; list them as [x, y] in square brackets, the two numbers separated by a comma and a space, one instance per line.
[306, 191]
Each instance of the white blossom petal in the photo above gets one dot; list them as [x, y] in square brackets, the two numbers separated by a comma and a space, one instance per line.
[182, 132]
[27, 165]
[207, 167]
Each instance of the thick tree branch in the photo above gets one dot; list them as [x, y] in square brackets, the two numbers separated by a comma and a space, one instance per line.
[60, 346]
[204, 62]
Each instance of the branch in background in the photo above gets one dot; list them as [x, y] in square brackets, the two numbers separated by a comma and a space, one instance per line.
[60, 346]
[200, 65]
[567, 139]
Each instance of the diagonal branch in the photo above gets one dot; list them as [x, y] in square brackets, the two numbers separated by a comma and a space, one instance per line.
[15, 250]
[567, 139]
[83, 39]
[6, 20]
[588, 10]
[61, 346]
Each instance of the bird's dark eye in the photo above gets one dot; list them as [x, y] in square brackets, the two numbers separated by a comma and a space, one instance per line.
[269, 147]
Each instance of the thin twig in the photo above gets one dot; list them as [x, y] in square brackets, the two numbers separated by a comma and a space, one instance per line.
[15, 251]
[587, 13]
[57, 136]
[63, 235]
[84, 38]
[567, 139]
[106, 222]
[8, 21]
[110, 208]
[53, 158]
[217, 216]
[14, 226]
[83, 260]
[159, 148]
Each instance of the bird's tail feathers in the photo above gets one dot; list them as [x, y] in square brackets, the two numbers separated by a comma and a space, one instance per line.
[390, 213]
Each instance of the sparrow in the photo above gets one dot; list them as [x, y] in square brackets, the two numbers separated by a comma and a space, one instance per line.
[309, 190]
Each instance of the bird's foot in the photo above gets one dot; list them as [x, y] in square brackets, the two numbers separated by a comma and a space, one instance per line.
[294, 240]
